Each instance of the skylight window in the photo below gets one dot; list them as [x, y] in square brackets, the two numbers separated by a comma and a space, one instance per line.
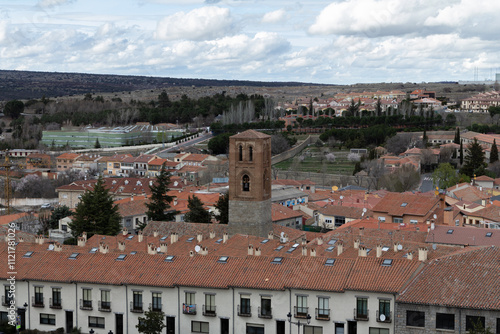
[291, 250]
[93, 250]
[295, 245]
[387, 262]
[368, 250]
[332, 242]
[130, 237]
[73, 256]
[163, 238]
[28, 254]
[121, 257]
[329, 262]
[280, 247]
[385, 249]
[169, 258]
[133, 253]
[330, 249]
[449, 232]
[404, 204]
[489, 234]
[277, 260]
[190, 239]
[218, 241]
[265, 241]
[223, 259]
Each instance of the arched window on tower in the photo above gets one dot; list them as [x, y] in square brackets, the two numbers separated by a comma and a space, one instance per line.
[246, 183]
[250, 153]
[240, 148]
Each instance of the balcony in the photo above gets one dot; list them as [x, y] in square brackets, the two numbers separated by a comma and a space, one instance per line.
[156, 307]
[104, 306]
[86, 305]
[209, 310]
[6, 301]
[245, 311]
[55, 303]
[322, 314]
[300, 312]
[136, 307]
[360, 314]
[189, 308]
[37, 302]
[386, 316]
[266, 313]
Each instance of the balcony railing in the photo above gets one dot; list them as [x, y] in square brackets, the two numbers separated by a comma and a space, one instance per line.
[136, 307]
[209, 310]
[360, 314]
[322, 314]
[86, 305]
[189, 308]
[55, 303]
[38, 302]
[300, 312]
[104, 306]
[6, 301]
[245, 311]
[266, 313]
[156, 307]
[386, 316]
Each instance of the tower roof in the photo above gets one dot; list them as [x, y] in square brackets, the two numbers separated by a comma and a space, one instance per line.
[250, 134]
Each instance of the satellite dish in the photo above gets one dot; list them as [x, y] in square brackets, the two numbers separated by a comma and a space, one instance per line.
[382, 317]
[341, 197]
[434, 216]
[197, 248]
[158, 249]
[400, 247]
[51, 247]
[364, 209]
[434, 246]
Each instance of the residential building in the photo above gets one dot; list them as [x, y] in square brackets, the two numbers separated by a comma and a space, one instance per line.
[37, 161]
[65, 161]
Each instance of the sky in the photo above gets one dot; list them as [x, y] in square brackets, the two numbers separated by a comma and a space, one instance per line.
[316, 41]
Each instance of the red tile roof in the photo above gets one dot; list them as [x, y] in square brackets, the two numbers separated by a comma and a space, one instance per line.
[417, 205]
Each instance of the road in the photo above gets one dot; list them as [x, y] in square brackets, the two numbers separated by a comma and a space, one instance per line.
[180, 146]
[426, 183]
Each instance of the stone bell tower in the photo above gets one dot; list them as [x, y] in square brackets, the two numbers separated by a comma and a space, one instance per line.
[250, 183]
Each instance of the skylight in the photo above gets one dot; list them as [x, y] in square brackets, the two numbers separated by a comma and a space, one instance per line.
[130, 237]
[404, 204]
[291, 250]
[280, 247]
[330, 249]
[449, 232]
[265, 241]
[169, 258]
[93, 250]
[385, 249]
[73, 256]
[329, 262]
[163, 238]
[387, 262]
[277, 260]
[332, 242]
[121, 257]
[218, 241]
[223, 259]
[133, 253]
[28, 254]
[295, 245]
[190, 239]
[489, 234]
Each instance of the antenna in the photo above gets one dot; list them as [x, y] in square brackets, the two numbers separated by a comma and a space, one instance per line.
[382, 317]
[197, 248]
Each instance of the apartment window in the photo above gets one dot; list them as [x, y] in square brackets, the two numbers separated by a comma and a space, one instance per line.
[265, 307]
[87, 298]
[246, 183]
[445, 321]
[361, 308]
[105, 299]
[245, 304]
[189, 306]
[374, 330]
[240, 153]
[199, 327]
[313, 330]
[255, 329]
[302, 309]
[7, 299]
[397, 220]
[190, 298]
[56, 297]
[384, 308]
[209, 304]
[47, 319]
[473, 322]
[4, 317]
[323, 308]
[250, 153]
[137, 300]
[339, 221]
[38, 295]
[97, 322]
[415, 318]
[156, 297]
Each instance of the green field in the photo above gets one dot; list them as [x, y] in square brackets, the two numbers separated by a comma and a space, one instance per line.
[315, 161]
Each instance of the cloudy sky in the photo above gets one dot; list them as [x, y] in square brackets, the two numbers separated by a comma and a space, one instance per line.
[321, 41]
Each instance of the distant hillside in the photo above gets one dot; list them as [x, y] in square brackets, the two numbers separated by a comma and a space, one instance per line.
[35, 85]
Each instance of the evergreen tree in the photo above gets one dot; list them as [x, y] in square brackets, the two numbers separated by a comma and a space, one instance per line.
[97, 144]
[96, 213]
[59, 213]
[159, 204]
[163, 100]
[494, 152]
[151, 323]
[197, 213]
[461, 152]
[474, 160]
[457, 136]
[424, 138]
[222, 206]
[379, 108]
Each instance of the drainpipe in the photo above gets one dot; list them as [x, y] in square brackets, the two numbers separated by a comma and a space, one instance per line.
[29, 309]
[459, 321]
[394, 316]
[126, 306]
[76, 304]
[290, 307]
[178, 309]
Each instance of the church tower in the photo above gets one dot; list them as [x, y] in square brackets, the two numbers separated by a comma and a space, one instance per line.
[250, 183]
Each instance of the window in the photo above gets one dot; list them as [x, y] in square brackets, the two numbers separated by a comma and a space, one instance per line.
[56, 297]
[255, 329]
[4, 317]
[265, 307]
[210, 304]
[302, 308]
[156, 298]
[250, 153]
[339, 221]
[97, 322]
[361, 308]
[245, 304]
[87, 298]
[240, 153]
[472, 321]
[38, 295]
[374, 330]
[105, 299]
[47, 319]
[313, 330]
[387, 262]
[384, 310]
[199, 327]
[323, 308]
[445, 321]
[246, 183]
[137, 300]
[7, 299]
[189, 306]
[397, 220]
[415, 318]
[280, 327]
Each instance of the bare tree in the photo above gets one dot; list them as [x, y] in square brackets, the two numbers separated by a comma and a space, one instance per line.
[401, 142]
[445, 154]
[279, 144]
[403, 179]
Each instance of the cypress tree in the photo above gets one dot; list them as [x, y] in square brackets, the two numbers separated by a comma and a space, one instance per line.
[457, 136]
[461, 152]
[494, 152]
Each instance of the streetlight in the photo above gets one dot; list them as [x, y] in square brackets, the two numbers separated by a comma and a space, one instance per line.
[110, 332]
[298, 323]
[91, 331]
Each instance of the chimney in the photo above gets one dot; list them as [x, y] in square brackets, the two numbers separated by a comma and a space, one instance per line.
[379, 250]
[225, 236]
[204, 251]
[212, 234]
[304, 251]
[173, 238]
[81, 242]
[284, 238]
[396, 247]
[320, 241]
[21, 239]
[163, 247]
[132, 198]
[304, 240]
[39, 239]
[313, 252]
[151, 249]
[103, 248]
[155, 233]
[199, 237]
[250, 250]
[270, 235]
[57, 247]
[362, 251]
[356, 243]
[340, 248]
[121, 245]
[258, 251]
[124, 231]
[84, 235]
[448, 216]
[422, 254]
[175, 201]
[409, 256]
[191, 253]
[361, 231]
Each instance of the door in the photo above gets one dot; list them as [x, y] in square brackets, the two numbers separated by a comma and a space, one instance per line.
[280, 327]
[339, 328]
[224, 326]
[69, 321]
[170, 325]
[352, 327]
[119, 323]
[21, 312]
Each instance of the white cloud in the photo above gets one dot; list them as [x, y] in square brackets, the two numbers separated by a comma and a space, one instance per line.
[3, 31]
[203, 23]
[274, 17]
[52, 3]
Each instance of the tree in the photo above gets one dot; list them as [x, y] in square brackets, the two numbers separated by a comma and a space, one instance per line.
[494, 152]
[445, 176]
[457, 136]
[60, 212]
[159, 204]
[13, 109]
[197, 213]
[279, 144]
[219, 144]
[461, 152]
[474, 160]
[151, 323]
[96, 213]
[163, 100]
[97, 144]
[403, 179]
[222, 207]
